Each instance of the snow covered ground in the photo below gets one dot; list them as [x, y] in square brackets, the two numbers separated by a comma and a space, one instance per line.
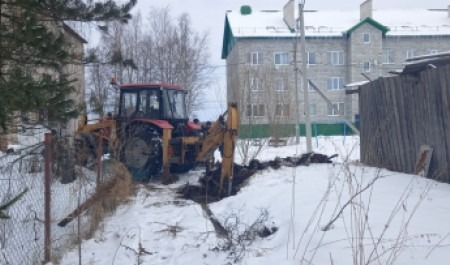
[393, 218]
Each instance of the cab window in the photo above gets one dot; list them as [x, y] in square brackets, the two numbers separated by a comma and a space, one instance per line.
[129, 103]
[174, 106]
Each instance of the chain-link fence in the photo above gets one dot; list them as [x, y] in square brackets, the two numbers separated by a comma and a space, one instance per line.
[22, 234]
[62, 215]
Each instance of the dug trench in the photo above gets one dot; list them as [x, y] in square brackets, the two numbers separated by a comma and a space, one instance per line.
[209, 189]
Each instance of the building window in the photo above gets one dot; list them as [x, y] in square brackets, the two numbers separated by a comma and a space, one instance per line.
[248, 110]
[255, 84]
[388, 57]
[255, 58]
[335, 83]
[366, 37]
[336, 109]
[431, 52]
[335, 58]
[312, 109]
[312, 58]
[280, 84]
[310, 87]
[282, 110]
[255, 110]
[410, 54]
[281, 58]
[366, 66]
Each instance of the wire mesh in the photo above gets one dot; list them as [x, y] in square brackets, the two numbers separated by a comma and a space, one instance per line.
[22, 235]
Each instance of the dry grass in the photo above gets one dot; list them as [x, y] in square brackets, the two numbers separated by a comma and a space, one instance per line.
[119, 194]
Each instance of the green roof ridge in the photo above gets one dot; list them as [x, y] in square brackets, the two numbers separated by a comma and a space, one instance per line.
[372, 22]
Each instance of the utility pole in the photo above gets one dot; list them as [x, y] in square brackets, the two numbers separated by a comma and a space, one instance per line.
[297, 109]
[305, 77]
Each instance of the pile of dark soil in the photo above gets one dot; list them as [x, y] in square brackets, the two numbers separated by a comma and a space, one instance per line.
[209, 189]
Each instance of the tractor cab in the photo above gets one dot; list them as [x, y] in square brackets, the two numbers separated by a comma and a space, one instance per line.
[157, 101]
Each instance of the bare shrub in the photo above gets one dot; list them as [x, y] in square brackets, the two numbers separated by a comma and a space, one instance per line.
[369, 244]
[239, 236]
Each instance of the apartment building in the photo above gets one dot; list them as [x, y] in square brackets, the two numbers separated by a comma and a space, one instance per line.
[342, 47]
[75, 70]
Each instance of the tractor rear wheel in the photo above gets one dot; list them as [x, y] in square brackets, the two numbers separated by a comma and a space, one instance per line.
[141, 152]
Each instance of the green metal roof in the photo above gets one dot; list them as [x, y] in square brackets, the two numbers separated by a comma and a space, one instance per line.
[372, 22]
[227, 37]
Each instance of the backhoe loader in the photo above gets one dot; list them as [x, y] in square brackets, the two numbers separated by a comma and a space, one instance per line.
[152, 133]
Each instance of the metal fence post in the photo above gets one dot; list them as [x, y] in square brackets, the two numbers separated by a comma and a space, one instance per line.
[99, 158]
[47, 196]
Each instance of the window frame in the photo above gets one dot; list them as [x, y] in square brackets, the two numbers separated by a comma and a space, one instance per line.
[433, 51]
[255, 110]
[332, 55]
[312, 106]
[364, 38]
[128, 103]
[388, 57]
[255, 58]
[309, 56]
[409, 52]
[340, 107]
[283, 58]
[280, 83]
[313, 113]
[257, 81]
[310, 87]
[282, 110]
[367, 69]
[337, 83]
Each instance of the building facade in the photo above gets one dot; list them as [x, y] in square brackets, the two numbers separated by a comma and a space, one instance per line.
[261, 47]
[75, 70]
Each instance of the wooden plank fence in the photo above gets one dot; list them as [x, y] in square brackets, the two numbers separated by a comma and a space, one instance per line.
[400, 114]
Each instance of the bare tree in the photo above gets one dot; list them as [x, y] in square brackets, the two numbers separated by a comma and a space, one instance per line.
[165, 49]
[180, 55]
[265, 97]
[252, 112]
[278, 101]
[99, 76]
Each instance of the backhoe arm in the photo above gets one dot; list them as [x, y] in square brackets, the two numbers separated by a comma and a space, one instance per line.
[222, 133]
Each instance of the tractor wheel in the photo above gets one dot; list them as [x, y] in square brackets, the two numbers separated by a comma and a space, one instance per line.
[141, 152]
[85, 151]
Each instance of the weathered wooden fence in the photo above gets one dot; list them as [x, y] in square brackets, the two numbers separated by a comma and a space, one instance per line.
[400, 114]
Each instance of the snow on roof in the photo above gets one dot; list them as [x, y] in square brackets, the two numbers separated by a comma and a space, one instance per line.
[258, 23]
[408, 22]
[359, 83]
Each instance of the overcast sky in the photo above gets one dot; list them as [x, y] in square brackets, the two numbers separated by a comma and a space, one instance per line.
[209, 16]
